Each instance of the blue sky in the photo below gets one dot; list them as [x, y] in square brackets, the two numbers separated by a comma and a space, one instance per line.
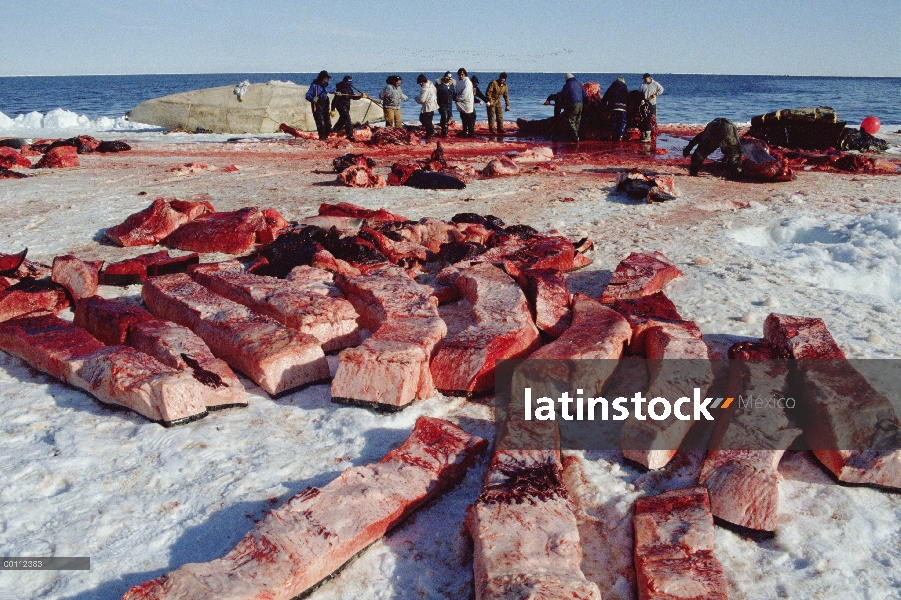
[776, 37]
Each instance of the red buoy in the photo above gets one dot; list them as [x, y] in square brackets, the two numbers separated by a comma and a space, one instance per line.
[871, 125]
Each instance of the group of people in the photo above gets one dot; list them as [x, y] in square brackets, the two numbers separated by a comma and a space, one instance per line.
[569, 101]
[440, 96]
[465, 93]
[444, 93]
[318, 98]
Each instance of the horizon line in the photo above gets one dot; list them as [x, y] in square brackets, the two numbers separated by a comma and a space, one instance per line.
[362, 72]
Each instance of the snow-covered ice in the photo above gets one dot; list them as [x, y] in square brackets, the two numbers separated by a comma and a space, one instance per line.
[860, 254]
[141, 500]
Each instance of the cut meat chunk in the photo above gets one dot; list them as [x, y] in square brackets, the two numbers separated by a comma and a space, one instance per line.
[10, 263]
[741, 470]
[678, 339]
[179, 348]
[443, 291]
[525, 537]
[131, 270]
[500, 167]
[112, 374]
[387, 294]
[850, 427]
[49, 344]
[534, 252]
[10, 158]
[391, 368]
[802, 337]
[643, 314]
[325, 260]
[32, 296]
[314, 533]
[192, 209]
[399, 253]
[153, 224]
[431, 233]
[548, 294]
[678, 364]
[503, 328]
[474, 233]
[77, 276]
[370, 218]
[275, 357]
[331, 320]
[275, 223]
[639, 274]
[136, 270]
[548, 253]
[674, 548]
[361, 176]
[597, 333]
[344, 225]
[228, 232]
[115, 322]
[32, 270]
[317, 281]
[109, 320]
[127, 377]
[172, 264]
[61, 157]
[225, 266]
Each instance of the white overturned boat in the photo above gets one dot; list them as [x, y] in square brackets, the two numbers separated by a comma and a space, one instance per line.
[261, 109]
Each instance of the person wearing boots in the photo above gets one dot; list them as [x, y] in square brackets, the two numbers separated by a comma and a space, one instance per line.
[719, 133]
[465, 104]
[428, 98]
[570, 99]
[391, 97]
[497, 89]
[344, 93]
[446, 92]
[317, 96]
[651, 89]
[615, 100]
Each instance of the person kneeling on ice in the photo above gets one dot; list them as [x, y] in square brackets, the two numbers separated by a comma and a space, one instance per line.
[317, 96]
[719, 133]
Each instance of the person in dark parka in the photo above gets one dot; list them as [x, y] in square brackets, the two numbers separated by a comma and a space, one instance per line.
[719, 133]
[317, 96]
[615, 100]
[344, 93]
[570, 99]
[445, 92]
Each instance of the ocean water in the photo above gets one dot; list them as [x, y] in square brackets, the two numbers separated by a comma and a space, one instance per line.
[687, 99]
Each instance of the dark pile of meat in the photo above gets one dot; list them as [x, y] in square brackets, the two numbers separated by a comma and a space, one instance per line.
[422, 247]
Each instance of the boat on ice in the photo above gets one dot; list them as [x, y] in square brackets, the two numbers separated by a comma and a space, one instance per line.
[253, 108]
